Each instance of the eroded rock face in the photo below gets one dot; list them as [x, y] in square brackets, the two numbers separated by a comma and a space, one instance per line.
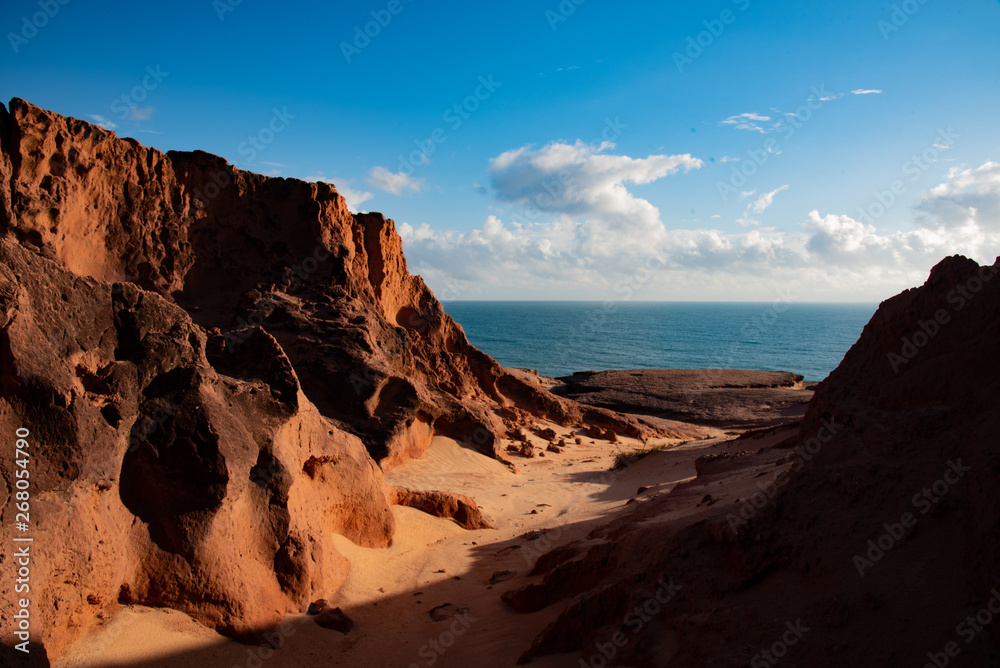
[155, 478]
[215, 366]
[898, 445]
[372, 347]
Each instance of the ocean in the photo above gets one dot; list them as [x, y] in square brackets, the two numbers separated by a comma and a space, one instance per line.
[558, 338]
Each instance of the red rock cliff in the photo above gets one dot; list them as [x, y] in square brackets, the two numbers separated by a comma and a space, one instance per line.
[214, 366]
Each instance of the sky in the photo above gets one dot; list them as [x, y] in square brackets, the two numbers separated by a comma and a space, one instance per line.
[727, 150]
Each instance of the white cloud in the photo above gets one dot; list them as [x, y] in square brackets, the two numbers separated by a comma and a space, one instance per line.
[758, 206]
[582, 182]
[354, 198]
[751, 121]
[394, 183]
[967, 195]
[767, 199]
[828, 256]
[103, 122]
[824, 98]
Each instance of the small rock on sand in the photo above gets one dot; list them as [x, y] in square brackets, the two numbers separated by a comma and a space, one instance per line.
[335, 620]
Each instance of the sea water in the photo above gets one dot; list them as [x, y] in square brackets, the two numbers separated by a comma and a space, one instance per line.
[558, 338]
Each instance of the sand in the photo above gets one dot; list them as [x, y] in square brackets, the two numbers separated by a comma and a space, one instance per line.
[434, 563]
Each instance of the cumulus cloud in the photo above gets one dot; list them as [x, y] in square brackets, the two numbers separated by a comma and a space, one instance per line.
[968, 195]
[866, 91]
[394, 183]
[354, 198]
[819, 256]
[583, 182]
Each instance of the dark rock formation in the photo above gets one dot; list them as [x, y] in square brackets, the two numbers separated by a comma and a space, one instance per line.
[717, 397]
[876, 550]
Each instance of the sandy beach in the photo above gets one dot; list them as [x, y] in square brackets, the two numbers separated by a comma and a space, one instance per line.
[433, 596]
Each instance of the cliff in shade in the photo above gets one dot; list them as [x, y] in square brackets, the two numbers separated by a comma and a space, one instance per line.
[214, 367]
[875, 549]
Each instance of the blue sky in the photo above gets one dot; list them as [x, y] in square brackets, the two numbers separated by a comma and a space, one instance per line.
[555, 150]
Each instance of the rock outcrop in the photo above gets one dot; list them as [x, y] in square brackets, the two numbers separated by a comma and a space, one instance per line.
[214, 368]
[157, 479]
[458, 507]
[878, 547]
[731, 398]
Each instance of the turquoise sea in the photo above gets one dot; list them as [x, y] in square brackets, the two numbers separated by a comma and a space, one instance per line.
[558, 338]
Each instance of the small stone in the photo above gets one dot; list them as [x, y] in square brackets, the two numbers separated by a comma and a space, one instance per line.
[501, 576]
[335, 620]
[442, 612]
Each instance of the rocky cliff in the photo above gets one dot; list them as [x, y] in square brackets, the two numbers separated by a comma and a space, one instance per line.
[214, 368]
[878, 546]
